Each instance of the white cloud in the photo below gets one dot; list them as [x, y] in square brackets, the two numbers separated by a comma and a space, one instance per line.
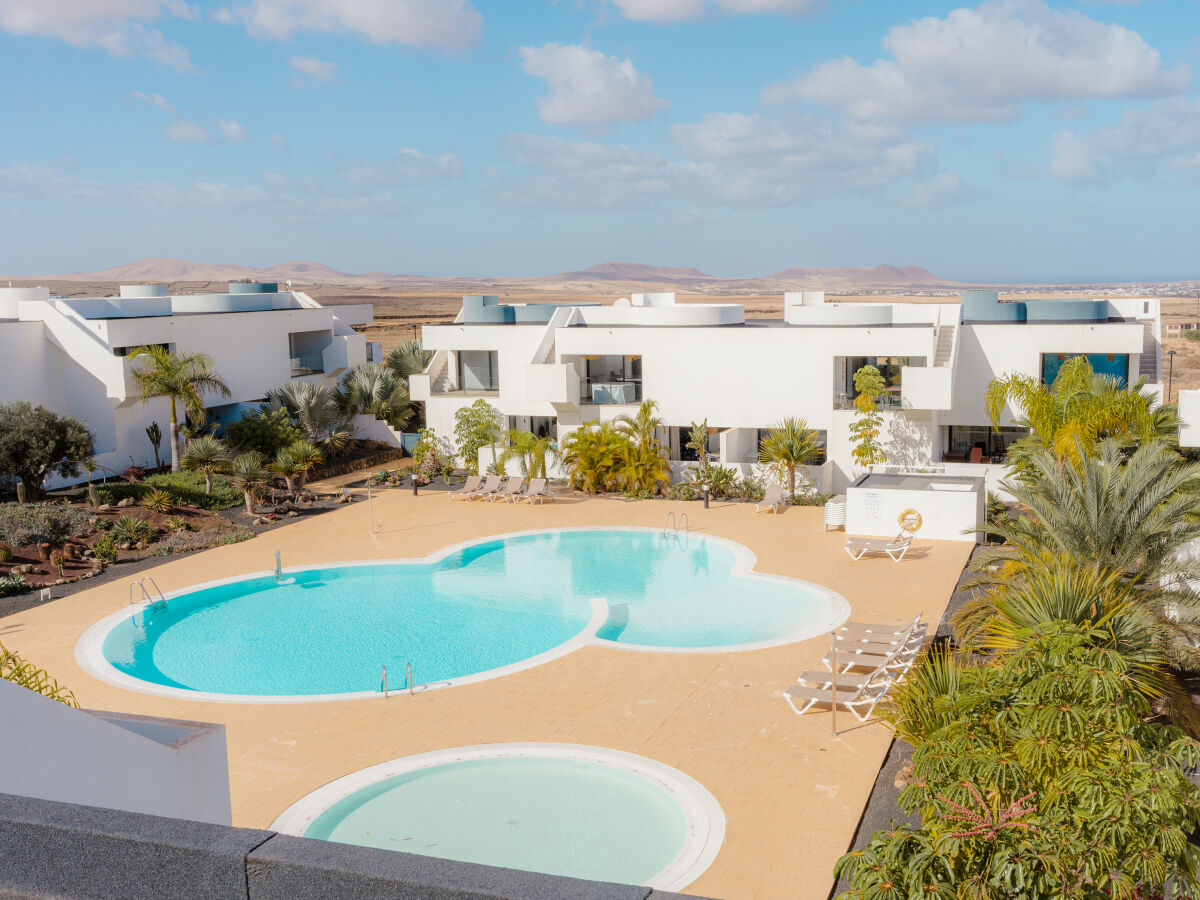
[405, 166]
[158, 101]
[279, 142]
[116, 26]
[310, 70]
[589, 88]
[185, 131]
[683, 10]
[451, 25]
[1164, 134]
[231, 130]
[980, 64]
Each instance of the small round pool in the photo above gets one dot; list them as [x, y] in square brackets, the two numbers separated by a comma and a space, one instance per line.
[562, 809]
[472, 611]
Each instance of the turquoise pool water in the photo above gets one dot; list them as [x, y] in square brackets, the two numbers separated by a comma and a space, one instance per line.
[488, 605]
[560, 816]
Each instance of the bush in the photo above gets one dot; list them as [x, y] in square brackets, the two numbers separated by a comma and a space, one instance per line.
[267, 432]
[685, 490]
[181, 487]
[130, 530]
[185, 542]
[158, 501]
[811, 498]
[106, 550]
[12, 584]
[35, 441]
[177, 524]
[42, 523]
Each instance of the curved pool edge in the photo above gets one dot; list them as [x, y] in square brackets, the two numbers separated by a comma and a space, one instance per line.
[89, 649]
[703, 814]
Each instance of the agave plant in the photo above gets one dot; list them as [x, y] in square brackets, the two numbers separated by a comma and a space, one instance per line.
[317, 409]
[375, 390]
[208, 456]
[158, 501]
[250, 476]
[129, 530]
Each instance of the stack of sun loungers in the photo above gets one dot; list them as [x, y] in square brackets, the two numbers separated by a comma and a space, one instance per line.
[496, 487]
[865, 662]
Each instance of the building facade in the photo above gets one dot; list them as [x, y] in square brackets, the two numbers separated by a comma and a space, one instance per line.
[551, 367]
[73, 355]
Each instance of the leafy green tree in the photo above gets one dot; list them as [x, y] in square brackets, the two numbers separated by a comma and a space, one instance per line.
[375, 390]
[790, 443]
[1108, 510]
[35, 442]
[593, 455]
[319, 412]
[476, 426]
[154, 433]
[208, 456]
[266, 431]
[1042, 775]
[249, 475]
[433, 455]
[867, 426]
[533, 453]
[406, 360]
[1078, 410]
[181, 378]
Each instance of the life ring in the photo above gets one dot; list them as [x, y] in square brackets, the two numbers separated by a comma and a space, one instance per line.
[910, 520]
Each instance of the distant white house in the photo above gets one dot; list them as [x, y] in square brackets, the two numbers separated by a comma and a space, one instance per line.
[549, 367]
[72, 355]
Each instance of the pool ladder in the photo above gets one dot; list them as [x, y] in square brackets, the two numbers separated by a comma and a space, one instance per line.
[408, 678]
[154, 602]
[673, 526]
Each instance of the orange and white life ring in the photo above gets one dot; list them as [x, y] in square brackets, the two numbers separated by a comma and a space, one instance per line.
[910, 520]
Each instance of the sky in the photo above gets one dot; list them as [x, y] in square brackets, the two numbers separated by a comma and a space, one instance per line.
[1007, 140]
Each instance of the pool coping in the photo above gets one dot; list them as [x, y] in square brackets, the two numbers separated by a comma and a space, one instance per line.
[89, 649]
[704, 817]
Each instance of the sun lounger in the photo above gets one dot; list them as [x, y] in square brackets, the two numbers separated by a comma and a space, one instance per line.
[511, 488]
[490, 486]
[469, 487]
[869, 655]
[772, 499]
[871, 631]
[858, 547]
[861, 701]
[534, 493]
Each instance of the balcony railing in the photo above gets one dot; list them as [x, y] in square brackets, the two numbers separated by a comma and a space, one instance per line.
[604, 393]
[308, 364]
[890, 400]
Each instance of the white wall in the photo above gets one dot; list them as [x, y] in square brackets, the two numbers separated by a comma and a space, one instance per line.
[875, 512]
[164, 767]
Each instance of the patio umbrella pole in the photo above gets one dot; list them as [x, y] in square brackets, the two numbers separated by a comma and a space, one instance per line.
[833, 703]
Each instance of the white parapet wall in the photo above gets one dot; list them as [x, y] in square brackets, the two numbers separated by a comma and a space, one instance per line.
[948, 506]
[1189, 418]
[165, 767]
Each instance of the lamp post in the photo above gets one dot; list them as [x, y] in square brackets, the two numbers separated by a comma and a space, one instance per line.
[1170, 372]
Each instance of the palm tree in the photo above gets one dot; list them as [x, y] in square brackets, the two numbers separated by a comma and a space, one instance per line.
[318, 411]
[184, 377]
[642, 427]
[375, 390]
[593, 453]
[1079, 409]
[405, 360]
[1106, 511]
[643, 467]
[208, 456]
[532, 452]
[293, 462]
[789, 444]
[249, 476]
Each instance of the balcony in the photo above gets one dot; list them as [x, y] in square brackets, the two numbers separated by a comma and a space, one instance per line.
[308, 364]
[610, 393]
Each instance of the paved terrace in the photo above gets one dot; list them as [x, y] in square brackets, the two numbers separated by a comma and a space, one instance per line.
[792, 792]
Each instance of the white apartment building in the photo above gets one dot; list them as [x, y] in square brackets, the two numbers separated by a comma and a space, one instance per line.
[72, 355]
[550, 367]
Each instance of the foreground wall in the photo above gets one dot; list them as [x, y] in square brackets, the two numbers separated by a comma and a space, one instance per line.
[66, 851]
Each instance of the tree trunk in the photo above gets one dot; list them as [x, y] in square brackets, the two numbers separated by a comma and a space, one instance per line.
[248, 496]
[208, 482]
[175, 452]
[792, 481]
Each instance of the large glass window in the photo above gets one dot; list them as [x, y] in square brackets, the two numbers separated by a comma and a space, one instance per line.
[541, 426]
[992, 445]
[612, 379]
[890, 367]
[306, 349]
[478, 370]
[1114, 364]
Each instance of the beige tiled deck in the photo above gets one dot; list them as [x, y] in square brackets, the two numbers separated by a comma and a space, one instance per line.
[792, 792]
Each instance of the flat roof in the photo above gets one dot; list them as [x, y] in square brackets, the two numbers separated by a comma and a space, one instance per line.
[931, 482]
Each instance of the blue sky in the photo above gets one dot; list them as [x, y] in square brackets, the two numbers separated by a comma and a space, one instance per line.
[1002, 140]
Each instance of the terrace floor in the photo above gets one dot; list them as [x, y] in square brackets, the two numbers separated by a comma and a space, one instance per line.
[792, 792]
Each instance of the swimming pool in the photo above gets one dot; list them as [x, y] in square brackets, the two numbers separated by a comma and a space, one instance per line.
[563, 809]
[474, 610]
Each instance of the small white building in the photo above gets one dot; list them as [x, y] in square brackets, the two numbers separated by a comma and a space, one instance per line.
[72, 355]
[548, 367]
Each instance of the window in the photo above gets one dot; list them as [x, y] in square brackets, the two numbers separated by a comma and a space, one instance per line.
[478, 370]
[890, 367]
[306, 351]
[1114, 364]
[540, 426]
[612, 379]
[128, 351]
[992, 444]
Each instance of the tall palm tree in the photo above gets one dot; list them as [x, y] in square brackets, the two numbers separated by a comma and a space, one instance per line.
[182, 377]
[533, 453]
[1079, 409]
[375, 390]
[249, 476]
[1131, 515]
[642, 427]
[318, 411]
[208, 456]
[790, 443]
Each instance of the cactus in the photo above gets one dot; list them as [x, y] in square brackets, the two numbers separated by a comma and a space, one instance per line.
[93, 495]
[59, 562]
[6, 554]
[21, 492]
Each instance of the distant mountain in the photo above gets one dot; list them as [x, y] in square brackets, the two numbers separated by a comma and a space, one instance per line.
[878, 277]
[159, 268]
[628, 271]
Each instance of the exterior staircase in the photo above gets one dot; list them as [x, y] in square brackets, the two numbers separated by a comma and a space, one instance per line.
[944, 347]
[1148, 361]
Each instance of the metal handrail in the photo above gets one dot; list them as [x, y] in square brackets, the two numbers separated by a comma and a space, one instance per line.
[667, 525]
[146, 598]
[385, 684]
[684, 524]
[409, 677]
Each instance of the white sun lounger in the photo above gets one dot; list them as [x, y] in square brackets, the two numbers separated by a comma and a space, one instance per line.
[490, 486]
[772, 499]
[511, 488]
[860, 701]
[469, 487]
[534, 493]
[858, 547]
[868, 655]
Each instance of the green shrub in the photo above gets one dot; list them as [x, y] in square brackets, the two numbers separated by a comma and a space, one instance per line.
[116, 491]
[178, 524]
[266, 432]
[811, 498]
[40, 523]
[131, 530]
[12, 584]
[27, 675]
[236, 536]
[158, 501]
[685, 490]
[106, 550]
[188, 487]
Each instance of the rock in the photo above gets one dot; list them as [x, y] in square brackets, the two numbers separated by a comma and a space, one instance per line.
[292, 514]
[260, 522]
[140, 545]
[104, 507]
[89, 553]
[126, 503]
[904, 777]
[24, 569]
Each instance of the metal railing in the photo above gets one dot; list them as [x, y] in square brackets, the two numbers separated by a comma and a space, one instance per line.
[608, 392]
[308, 364]
[156, 601]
